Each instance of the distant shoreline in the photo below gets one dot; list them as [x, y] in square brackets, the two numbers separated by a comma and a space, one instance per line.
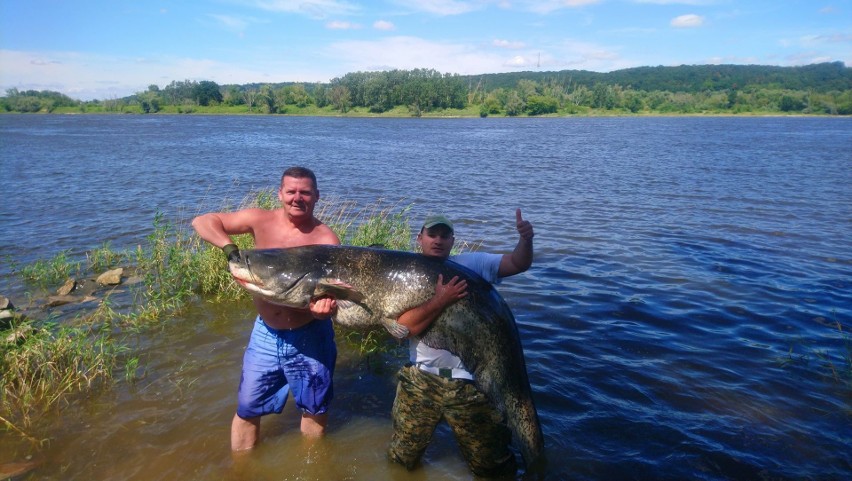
[438, 115]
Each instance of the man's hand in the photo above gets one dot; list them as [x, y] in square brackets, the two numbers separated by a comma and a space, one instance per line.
[323, 307]
[525, 229]
[453, 290]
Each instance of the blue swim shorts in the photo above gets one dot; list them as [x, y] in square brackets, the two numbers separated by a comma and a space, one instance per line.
[278, 361]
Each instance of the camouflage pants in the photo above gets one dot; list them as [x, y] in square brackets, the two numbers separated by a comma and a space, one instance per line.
[423, 399]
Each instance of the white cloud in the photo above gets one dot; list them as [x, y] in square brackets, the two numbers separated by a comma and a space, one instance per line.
[317, 9]
[548, 6]
[443, 7]
[586, 56]
[407, 53]
[383, 25]
[687, 21]
[517, 61]
[507, 44]
[457, 7]
[88, 76]
[841, 38]
[234, 24]
[678, 2]
[342, 25]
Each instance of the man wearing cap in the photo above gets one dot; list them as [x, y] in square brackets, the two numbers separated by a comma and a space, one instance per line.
[435, 385]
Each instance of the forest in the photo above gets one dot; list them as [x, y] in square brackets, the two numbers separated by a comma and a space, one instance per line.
[818, 89]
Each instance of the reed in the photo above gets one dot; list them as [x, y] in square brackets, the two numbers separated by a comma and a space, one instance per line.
[45, 366]
[105, 258]
[44, 272]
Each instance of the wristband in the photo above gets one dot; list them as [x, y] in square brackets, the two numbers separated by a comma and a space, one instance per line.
[231, 250]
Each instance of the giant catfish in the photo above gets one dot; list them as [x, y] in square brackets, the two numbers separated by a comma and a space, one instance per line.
[374, 286]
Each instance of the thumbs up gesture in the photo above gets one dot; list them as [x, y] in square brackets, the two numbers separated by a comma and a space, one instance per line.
[525, 229]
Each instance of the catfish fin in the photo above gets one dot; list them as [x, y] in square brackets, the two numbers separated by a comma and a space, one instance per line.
[396, 329]
[338, 289]
[352, 314]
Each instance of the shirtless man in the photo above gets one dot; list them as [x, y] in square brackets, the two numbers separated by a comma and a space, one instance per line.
[290, 349]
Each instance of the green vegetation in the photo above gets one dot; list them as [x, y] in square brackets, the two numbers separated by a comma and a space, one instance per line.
[819, 89]
[104, 258]
[46, 364]
[44, 272]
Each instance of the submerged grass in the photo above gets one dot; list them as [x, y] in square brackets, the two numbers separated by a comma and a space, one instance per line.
[832, 363]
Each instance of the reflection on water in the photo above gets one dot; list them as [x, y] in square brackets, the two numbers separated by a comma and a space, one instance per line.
[680, 320]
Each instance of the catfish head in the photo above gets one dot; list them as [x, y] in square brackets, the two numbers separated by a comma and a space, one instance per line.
[286, 280]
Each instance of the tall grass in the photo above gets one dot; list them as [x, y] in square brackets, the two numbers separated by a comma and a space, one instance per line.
[46, 365]
[105, 258]
[44, 272]
[169, 266]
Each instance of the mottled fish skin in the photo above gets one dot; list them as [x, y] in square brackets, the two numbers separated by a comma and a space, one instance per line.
[374, 286]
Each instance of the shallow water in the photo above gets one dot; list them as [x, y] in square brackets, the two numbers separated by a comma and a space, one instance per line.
[680, 320]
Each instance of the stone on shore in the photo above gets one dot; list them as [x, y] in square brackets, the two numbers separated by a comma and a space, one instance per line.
[67, 288]
[111, 277]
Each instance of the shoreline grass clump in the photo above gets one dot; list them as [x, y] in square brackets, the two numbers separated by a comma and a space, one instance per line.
[46, 365]
[44, 272]
[104, 258]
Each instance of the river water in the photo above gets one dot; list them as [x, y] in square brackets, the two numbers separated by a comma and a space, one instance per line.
[686, 316]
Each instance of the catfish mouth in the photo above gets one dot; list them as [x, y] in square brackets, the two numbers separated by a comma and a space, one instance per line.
[255, 283]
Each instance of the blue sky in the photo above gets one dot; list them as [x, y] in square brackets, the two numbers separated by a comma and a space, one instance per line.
[113, 48]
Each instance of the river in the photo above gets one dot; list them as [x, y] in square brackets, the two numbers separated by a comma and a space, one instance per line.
[686, 316]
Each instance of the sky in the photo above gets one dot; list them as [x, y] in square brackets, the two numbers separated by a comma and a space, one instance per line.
[104, 49]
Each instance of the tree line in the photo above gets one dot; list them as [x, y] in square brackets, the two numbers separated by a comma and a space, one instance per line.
[824, 88]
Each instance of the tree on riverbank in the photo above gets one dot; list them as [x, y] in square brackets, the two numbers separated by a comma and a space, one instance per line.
[819, 89]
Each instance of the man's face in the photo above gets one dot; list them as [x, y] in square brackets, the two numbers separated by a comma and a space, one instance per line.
[298, 197]
[436, 241]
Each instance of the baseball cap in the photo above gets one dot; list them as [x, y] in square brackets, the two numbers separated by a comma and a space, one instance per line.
[434, 220]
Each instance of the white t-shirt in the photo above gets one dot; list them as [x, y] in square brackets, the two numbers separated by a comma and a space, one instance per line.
[484, 264]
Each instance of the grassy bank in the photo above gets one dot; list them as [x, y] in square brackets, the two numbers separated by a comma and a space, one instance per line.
[405, 112]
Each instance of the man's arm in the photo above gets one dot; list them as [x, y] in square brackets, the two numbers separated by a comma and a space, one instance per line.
[218, 227]
[421, 317]
[521, 258]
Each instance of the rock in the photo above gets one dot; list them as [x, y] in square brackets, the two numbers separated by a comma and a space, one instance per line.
[111, 277]
[18, 334]
[54, 301]
[87, 287]
[66, 288]
[7, 312]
